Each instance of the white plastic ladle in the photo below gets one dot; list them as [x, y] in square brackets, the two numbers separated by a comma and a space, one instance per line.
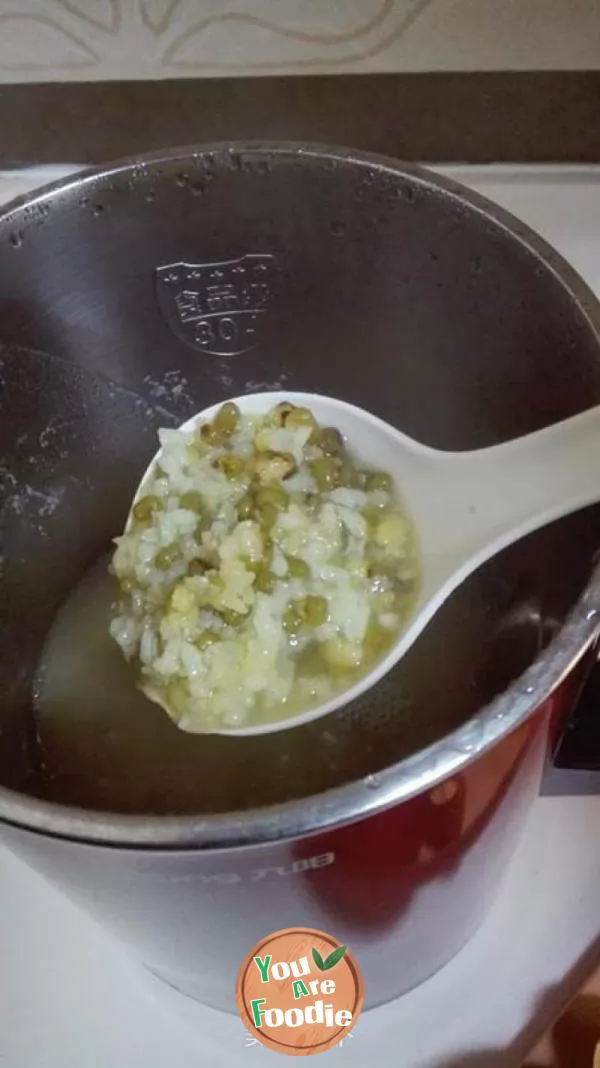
[465, 506]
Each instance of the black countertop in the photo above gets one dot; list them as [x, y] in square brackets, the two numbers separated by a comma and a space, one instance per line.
[520, 116]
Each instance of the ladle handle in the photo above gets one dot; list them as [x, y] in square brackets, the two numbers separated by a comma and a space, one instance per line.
[509, 490]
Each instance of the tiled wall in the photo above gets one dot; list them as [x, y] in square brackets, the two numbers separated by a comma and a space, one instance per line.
[42, 40]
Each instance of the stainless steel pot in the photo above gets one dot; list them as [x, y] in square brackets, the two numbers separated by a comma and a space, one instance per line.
[139, 293]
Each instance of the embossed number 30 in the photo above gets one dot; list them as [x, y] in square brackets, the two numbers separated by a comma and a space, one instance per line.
[226, 331]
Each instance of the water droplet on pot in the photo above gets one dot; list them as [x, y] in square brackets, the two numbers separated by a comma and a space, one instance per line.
[181, 180]
[97, 209]
[150, 195]
[593, 612]
[16, 239]
[372, 782]
[197, 188]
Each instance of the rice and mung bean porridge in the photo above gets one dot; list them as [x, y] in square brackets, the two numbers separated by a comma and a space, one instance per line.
[262, 572]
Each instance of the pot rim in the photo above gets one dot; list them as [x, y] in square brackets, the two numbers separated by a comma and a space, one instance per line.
[367, 796]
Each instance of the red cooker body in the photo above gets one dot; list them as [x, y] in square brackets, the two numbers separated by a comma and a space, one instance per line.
[405, 888]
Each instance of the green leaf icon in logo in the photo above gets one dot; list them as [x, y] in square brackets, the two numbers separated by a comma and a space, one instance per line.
[330, 961]
[316, 956]
[334, 957]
